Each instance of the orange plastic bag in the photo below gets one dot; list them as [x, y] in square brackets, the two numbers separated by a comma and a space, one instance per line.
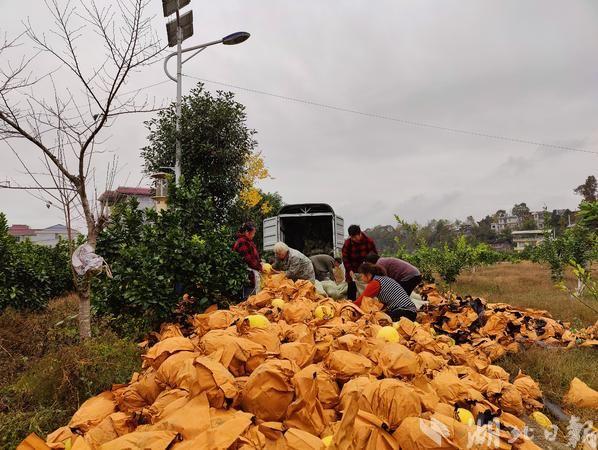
[93, 411]
[306, 412]
[239, 355]
[146, 440]
[157, 354]
[269, 391]
[328, 391]
[216, 320]
[397, 360]
[300, 352]
[298, 311]
[391, 400]
[581, 395]
[139, 394]
[346, 365]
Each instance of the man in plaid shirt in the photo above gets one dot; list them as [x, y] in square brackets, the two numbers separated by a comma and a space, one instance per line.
[246, 248]
[355, 250]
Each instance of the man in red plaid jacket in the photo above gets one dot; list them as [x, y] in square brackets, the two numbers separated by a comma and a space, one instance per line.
[355, 250]
[247, 249]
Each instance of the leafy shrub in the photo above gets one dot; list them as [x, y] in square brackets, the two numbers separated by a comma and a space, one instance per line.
[156, 257]
[31, 274]
[578, 244]
[449, 260]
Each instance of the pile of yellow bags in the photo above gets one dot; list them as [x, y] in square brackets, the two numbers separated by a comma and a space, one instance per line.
[271, 374]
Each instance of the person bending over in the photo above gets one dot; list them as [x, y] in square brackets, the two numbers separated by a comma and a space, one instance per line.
[295, 264]
[388, 291]
[324, 266]
[401, 271]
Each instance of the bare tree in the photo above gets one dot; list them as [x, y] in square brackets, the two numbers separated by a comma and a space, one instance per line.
[64, 126]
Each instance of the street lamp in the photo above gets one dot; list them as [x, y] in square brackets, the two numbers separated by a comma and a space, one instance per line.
[178, 30]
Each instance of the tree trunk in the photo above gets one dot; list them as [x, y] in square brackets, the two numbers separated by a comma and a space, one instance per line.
[84, 292]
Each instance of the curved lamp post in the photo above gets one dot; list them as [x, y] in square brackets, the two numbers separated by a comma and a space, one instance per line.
[231, 39]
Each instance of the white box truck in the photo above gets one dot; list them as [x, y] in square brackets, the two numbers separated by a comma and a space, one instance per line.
[311, 228]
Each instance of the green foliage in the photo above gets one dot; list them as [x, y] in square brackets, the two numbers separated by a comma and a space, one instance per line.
[588, 190]
[215, 145]
[521, 210]
[31, 274]
[449, 261]
[156, 257]
[268, 206]
[578, 244]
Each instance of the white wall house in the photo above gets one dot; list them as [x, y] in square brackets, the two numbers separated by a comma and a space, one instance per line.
[527, 238]
[144, 196]
[44, 236]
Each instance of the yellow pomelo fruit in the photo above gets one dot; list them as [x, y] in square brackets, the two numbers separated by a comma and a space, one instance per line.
[258, 321]
[324, 312]
[465, 416]
[542, 420]
[327, 440]
[389, 334]
[278, 303]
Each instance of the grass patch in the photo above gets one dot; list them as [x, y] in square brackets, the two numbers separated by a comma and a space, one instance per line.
[554, 369]
[46, 373]
[528, 285]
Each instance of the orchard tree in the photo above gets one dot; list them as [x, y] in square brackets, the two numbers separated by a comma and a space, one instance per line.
[57, 104]
[588, 190]
[216, 146]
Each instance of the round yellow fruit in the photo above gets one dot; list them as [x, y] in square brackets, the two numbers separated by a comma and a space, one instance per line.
[389, 334]
[465, 416]
[266, 268]
[278, 303]
[258, 321]
[327, 440]
[542, 420]
[324, 312]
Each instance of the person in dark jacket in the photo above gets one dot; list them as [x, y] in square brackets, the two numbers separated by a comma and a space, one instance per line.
[396, 301]
[355, 250]
[401, 271]
[247, 249]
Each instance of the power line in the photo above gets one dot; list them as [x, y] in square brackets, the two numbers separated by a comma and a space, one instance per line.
[399, 120]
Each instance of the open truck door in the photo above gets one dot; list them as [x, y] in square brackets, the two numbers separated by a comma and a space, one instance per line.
[271, 232]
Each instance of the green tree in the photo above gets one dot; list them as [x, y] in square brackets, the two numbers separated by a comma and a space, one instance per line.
[156, 257]
[268, 205]
[588, 190]
[528, 224]
[521, 210]
[31, 274]
[483, 232]
[216, 145]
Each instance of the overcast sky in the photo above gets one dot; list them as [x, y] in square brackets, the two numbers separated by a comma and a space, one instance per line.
[520, 69]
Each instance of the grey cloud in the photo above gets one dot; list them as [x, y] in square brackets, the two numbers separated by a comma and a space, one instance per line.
[521, 69]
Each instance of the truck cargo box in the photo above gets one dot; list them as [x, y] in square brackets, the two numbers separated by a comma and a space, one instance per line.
[311, 228]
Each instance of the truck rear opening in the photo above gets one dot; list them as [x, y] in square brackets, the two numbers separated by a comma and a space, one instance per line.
[311, 228]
